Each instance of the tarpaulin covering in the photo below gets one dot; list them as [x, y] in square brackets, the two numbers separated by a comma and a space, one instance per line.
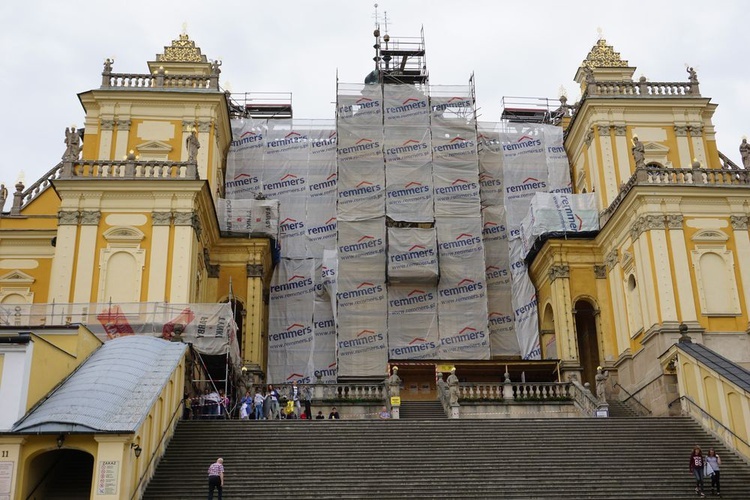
[412, 322]
[412, 255]
[248, 216]
[558, 213]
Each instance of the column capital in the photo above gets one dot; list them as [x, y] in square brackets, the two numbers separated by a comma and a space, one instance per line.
[161, 218]
[600, 272]
[90, 217]
[254, 270]
[559, 271]
[106, 124]
[620, 130]
[68, 217]
[739, 222]
[611, 259]
[674, 221]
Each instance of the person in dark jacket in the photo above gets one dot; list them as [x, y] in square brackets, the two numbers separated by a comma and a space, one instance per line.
[697, 462]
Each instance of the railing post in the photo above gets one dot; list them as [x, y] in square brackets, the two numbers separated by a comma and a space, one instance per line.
[67, 169]
[192, 170]
[15, 209]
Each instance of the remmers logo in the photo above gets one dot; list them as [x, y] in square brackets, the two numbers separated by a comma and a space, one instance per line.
[524, 142]
[464, 287]
[242, 180]
[467, 334]
[499, 318]
[455, 144]
[492, 228]
[290, 224]
[288, 140]
[326, 184]
[415, 252]
[461, 241]
[299, 378]
[414, 297]
[416, 345]
[457, 186]
[363, 338]
[294, 283]
[289, 180]
[487, 180]
[330, 371]
[364, 289]
[453, 102]
[409, 104]
[328, 227]
[363, 243]
[494, 272]
[248, 137]
[528, 184]
[292, 332]
[412, 188]
[361, 189]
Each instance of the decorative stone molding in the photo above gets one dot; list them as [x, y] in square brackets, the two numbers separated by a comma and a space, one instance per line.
[67, 218]
[611, 259]
[680, 130]
[212, 270]
[674, 221]
[184, 218]
[696, 130]
[620, 130]
[626, 261]
[647, 223]
[187, 125]
[107, 124]
[255, 270]
[90, 217]
[161, 218]
[588, 137]
[603, 129]
[600, 272]
[739, 222]
[123, 234]
[559, 271]
[204, 126]
[123, 125]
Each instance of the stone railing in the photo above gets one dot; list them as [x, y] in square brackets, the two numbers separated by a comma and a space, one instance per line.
[643, 88]
[515, 392]
[159, 80]
[663, 176]
[354, 392]
[584, 400]
[129, 169]
[41, 185]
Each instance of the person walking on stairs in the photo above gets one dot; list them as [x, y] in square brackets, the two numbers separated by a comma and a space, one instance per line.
[216, 478]
[697, 463]
[714, 461]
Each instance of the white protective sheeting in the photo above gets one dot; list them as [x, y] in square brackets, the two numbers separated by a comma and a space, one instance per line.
[248, 216]
[245, 159]
[412, 255]
[362, 344]
[503, 339]
[412, 322]
[362, 106]
[290, 320]
[409, 193]
[524, 303]
[324, 343]
[558, 213]
[361, 191]
[456, 189]
[406, 105]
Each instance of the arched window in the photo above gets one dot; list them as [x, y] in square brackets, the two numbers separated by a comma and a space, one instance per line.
[634, 305]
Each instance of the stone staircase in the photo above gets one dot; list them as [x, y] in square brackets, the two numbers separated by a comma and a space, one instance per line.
[618, 409]
[571, 458]
[422, 410]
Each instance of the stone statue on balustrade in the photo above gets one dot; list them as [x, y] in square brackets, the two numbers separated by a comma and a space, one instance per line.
[108, 65]
[601, 380]
[72, 144]
[745, 153]
[3, 196]
[215, 67]
[394, 383]
[692, 75]
[192, 144]
[639, 153]
[453, 388]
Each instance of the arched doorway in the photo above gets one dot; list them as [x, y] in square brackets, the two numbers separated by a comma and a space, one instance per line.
[588, 340]
[549, 339]
[60, 474]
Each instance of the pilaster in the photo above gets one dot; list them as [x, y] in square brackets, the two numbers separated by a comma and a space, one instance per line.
[682, 269]
[253, 352]
[563, 312]
[742, 244]
[683, 146]
[61, 275]
[121, 141]
[608, 163]
[157, 274]
[663, 272]
[183, 262]
[84, 280]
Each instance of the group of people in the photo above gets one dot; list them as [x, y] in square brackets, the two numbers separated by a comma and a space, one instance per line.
[211, 404]
[703, 466]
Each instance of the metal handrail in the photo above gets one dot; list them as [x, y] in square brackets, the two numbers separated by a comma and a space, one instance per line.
[633, 397]
[153, 455]
[690, 400]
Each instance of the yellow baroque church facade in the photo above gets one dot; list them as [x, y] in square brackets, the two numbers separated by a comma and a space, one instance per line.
[132, 218]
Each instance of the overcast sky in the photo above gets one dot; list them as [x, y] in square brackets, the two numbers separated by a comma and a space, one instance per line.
[52, 50]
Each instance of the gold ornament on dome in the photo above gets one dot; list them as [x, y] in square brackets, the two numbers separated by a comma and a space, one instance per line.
[182, 50]
[604, 56]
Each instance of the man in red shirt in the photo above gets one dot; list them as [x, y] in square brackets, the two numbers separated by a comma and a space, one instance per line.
[215, 478]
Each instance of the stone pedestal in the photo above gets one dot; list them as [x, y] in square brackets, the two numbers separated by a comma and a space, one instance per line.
[395, 412]
[454, 411]
[508, 391]
[602, 410]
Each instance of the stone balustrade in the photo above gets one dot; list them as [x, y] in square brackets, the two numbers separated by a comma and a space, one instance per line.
[158, 80]
[583, 398]
[355, 393]
[643, 89]
[129, 169]
[40, 185]
[665, 176]
[515, 391]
